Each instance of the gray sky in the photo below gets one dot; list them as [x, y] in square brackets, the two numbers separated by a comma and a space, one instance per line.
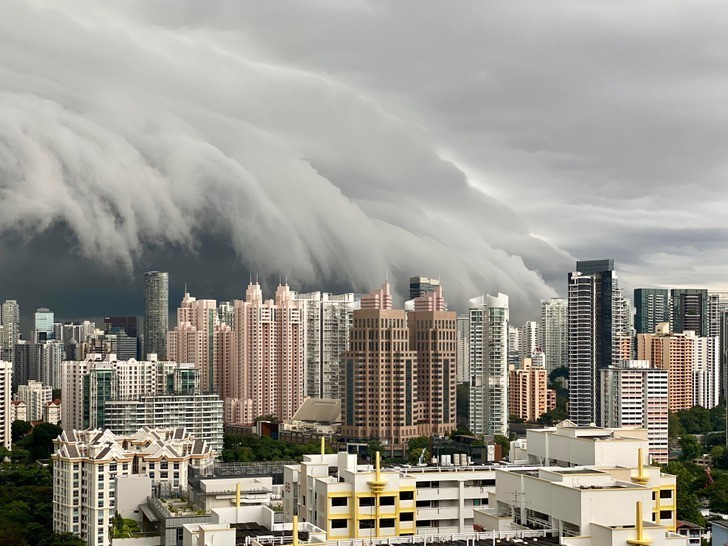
[488, 143]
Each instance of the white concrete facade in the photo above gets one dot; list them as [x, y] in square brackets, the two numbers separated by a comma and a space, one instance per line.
[634, 395]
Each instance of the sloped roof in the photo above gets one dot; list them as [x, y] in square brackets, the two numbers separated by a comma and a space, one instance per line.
[319, 410]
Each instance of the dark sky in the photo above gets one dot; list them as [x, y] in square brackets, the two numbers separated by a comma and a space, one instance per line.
[490, 144]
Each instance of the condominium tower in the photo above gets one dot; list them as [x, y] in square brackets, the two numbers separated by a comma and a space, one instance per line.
[432, 333]
[689, 310]
[326, 336]
[652, 306]
[598, 334]
[10, 319]
[6, 414]
[156, 313]
[488, 364]
[552, 333]
[379, 387]
[635, 395]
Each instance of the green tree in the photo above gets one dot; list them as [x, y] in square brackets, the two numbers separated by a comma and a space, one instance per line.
[62, 539]
[504, 442]
[19, 429]
[553, 416]
[675, 428]
[271, 418]
[39, 443]
[415, 447]
[690, 447]
[373, 446]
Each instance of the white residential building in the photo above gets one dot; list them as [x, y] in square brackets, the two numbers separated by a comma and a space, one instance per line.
[200, 414]
[88, 464]
[552, 333]
[706, 372]
[634, 395]
[327, 318]
[6, 411]
[528, 339]
[18, 410]
[36, 396]
[462, 349]
[52, 412]
[88, 384]
[488, 364]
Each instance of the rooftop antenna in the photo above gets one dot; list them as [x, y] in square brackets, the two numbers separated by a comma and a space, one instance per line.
[185, 287]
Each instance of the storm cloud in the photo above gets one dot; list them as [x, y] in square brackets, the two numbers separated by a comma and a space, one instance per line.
[332, 142]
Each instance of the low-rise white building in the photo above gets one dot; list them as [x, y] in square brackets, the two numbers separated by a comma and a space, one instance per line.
[86, 465]
[36, 396]
[569, 445]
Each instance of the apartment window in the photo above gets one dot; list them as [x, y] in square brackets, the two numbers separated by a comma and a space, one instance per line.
[339, 524]
[407, 516]
[366, 524]
[665, 514]
[406, 495]
[665, 494]
[386, 501]
[366, 501]
[339, 501]
[387, 522]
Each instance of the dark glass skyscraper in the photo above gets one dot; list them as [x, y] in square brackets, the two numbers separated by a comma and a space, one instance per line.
[689, 310]
[598, 333]
[421, 285]
[156, 313]
[652, 306]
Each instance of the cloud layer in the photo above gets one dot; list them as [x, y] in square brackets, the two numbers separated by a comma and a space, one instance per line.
[487, 144]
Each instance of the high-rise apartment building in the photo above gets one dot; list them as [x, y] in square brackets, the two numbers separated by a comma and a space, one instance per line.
[488, 364]
[528, 396]
[552, 333]
[676, 354]
[6, 412]
[43, 328]
[432, 334]
[127, 332]
[35, 395]
[462, 355]
[706, 372]
[10, 319]
[156, 313]
[652, 306]
[379, 387]
[418, 286]
[200, 414]
[268, 354]
[326, 337]
[528, 336]
[87, 385]
[200, 338]
[635, 395]
[89, 464]
[599, 334]
[689, 310]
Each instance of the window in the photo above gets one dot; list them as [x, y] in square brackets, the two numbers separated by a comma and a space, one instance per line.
[386, 501]
[407, 516]
[665, 494]
[665, 514]
[339, 524]
[406, 495]
[339, 501]
[366, 501]
[388, 522]
[366, 524]
[423, 523]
